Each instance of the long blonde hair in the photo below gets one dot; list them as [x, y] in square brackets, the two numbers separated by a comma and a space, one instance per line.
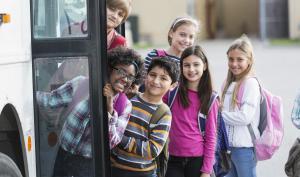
[244, 45]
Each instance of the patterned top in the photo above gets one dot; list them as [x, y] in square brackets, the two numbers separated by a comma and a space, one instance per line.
[137, 151]
[75, 136]
[296, 111]
[154, 53]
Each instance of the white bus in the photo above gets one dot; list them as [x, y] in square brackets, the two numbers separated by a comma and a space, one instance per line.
[36, 37]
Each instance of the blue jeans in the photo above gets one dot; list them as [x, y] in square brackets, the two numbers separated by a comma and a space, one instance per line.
[243, 162]
[117, 172]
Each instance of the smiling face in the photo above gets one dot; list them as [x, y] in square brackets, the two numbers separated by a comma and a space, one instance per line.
[237, 62]
[183, 37]
[121, 77]
[157, 82]
[192, 69]
[114, 17]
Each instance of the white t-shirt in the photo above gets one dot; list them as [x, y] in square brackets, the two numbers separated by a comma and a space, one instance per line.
[237, 119]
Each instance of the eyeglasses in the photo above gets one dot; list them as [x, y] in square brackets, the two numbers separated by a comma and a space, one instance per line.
[121, 72]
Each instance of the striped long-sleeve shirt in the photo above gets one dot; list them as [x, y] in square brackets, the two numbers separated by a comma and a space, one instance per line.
[137, 151]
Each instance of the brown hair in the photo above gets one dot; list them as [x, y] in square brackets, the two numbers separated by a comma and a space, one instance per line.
[186, 20]
[205, 87]
[125, 5]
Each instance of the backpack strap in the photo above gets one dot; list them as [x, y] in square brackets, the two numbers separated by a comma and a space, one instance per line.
[239, 98]
[162, 159]
[171, 96]
[202, 116]
[242, 88]
[120, 103]
[159, 113]
[161, 52]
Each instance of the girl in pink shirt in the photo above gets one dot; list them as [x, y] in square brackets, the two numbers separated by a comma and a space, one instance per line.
[192, 154]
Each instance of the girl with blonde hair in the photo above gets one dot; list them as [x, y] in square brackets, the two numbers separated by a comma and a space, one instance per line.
[239, 114]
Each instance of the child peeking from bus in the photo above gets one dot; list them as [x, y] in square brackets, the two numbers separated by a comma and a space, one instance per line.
[117, 11]
[74, 156]
[144, 139]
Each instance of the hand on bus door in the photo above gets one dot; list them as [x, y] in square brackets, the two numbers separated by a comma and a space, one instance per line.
[109, 93]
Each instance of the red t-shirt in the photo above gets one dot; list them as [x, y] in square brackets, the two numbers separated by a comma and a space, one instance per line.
[116, 40]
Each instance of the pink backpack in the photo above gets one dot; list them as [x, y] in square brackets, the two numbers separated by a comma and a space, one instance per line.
[270, 124]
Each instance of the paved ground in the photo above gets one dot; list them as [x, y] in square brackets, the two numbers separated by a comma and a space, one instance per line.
[278, 68]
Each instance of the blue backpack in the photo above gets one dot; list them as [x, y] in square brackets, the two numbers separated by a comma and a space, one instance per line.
[222, 154]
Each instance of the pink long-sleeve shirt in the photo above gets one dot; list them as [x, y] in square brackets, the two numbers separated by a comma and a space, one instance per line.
[185, 137]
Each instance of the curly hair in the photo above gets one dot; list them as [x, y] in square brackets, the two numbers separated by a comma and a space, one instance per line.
[126, 56]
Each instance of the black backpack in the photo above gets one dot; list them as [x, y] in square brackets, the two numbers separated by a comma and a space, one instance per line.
[162, 159]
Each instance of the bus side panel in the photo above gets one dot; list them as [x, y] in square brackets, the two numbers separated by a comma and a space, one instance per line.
[16, 73]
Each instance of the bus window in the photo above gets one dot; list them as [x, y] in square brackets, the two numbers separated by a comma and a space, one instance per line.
[59, 18]
[53, 117]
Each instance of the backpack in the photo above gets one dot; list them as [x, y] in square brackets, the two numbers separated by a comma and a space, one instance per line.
[161, 52]
[270, 123]
[292, 166]
[222, 153]
[120, 103]
[162, 159]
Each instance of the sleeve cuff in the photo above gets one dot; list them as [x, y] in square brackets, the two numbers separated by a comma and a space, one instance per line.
[112, 118]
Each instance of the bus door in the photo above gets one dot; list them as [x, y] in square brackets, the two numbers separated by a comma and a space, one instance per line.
[69, 57]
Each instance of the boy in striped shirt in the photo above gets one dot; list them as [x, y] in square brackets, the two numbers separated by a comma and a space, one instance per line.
[135, 155]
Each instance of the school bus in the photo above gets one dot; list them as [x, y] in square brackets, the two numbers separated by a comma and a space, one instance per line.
[36, 38]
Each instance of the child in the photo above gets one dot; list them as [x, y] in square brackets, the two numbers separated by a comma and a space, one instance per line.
[181, 35]
[142, 142]
[74, 156]
[117, 12]
[238, 114]
[192, 154]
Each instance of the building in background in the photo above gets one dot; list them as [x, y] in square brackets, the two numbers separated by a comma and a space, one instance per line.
[150, 20]
[294, 19]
